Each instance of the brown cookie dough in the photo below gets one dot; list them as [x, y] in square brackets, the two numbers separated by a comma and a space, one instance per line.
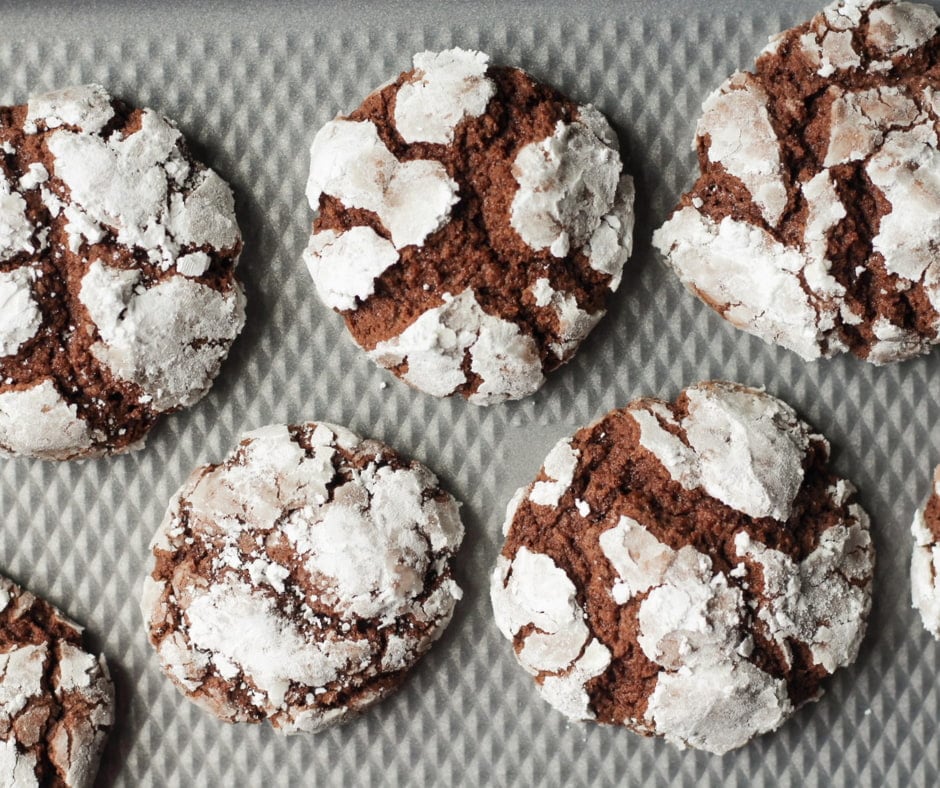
[691, 570]
[117, 287]
[816, 218]
[56, 699]
[300, 579]
[471, 225]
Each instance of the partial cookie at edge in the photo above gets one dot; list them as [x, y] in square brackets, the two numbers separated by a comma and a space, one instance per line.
[56, 699]
[117, 257]
[815, 220]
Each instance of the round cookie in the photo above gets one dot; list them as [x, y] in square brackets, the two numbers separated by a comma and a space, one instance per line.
[471, 223]
[816, 218]
[56, 699]
[925, 561]
[300, 579]
[117, 258]
[690, 570]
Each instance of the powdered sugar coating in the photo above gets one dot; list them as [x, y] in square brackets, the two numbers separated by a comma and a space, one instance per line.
[742, 446]
[861, 120]
[170, 339]
[56, 699]
[898, 29]
[925, 563]
[611, 245]
[820, 601]
[326, 574]
[87, 107]
[567, 185]
[20, 317]
[532, 591]
[720, 707]
[437, 343]
[698, 647]
[127, 251]
[574, 323]
[133, 187]
[753, 280]
[447, 87]
[16, 230]
[871, 168]
[907, 170]
[344, 266]
[38, 422]
[559, 467]
[743, 141]
[350, 162]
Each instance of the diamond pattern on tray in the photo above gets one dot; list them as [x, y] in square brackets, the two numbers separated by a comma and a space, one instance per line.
[250, 104]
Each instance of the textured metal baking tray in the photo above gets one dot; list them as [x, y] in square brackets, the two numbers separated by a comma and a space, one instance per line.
[250, 86]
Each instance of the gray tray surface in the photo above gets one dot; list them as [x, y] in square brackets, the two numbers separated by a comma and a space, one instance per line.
[250, 87]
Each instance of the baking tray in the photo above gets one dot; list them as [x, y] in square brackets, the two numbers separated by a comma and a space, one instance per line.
[249, 87]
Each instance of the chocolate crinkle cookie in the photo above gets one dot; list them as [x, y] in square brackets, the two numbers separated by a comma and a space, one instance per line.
[925, 562]
[816, 220]
[299, 580]
[56, 699]
[117, 258]
[471, 223]
[690, 570]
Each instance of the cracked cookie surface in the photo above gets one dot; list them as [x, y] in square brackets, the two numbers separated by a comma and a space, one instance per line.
[300, 579]
[690, 570]
[471, 223]
[117, 258]
[56, 699]
[816, 218]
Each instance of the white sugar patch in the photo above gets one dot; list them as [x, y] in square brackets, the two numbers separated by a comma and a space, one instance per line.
[907, 171]
[859, 122]
[169, 339]
[567, 185]
[533, 590]
[925, 572]
[898, 28]
[559, 466]
[574, 323]
[821, 601]
[34, 176]
[141, 189]
[244, 633]
[743, 141]
[344, 266]
[719, 707]
[751, 448]
[744, 448]
[88, 107]
[448, 87]
[20, 317]
[752, 279]
[350, 162]
[38, 422]
[435, 346]
[17, 768]
[16, 230]
[612, 242]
